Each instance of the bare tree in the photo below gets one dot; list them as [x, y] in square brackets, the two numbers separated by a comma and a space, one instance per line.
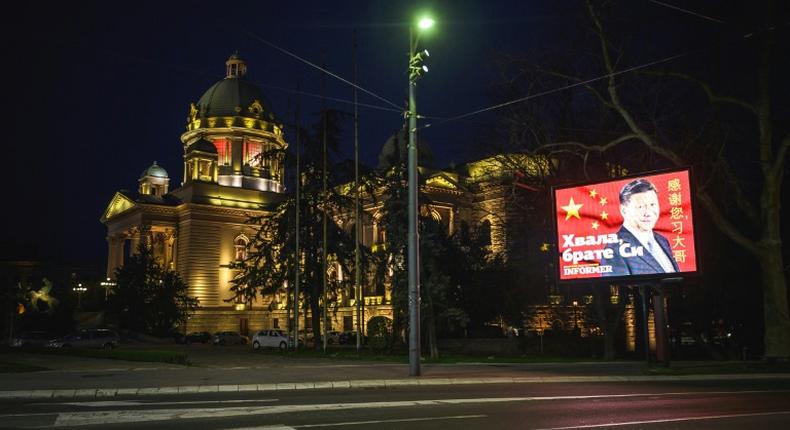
[760, 234]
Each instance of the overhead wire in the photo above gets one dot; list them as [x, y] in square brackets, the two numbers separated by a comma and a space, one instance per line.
[555, 90]
[323, 69]
[690, 12]
[336, 99]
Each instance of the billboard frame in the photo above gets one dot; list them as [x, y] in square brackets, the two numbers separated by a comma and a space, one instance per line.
[628, 279]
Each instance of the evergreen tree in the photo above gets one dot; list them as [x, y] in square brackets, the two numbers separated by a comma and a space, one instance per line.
[150, 298]
[271, 262]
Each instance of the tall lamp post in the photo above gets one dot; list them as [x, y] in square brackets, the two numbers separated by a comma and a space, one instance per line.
[79, 289]
[415, 70]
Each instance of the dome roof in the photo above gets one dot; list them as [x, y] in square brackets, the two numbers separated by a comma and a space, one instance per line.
[232, 96]
[155, 170]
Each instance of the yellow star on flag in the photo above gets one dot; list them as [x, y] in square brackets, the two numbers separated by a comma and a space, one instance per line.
[593, 193]
[604, 215]
[595, 225]
[603, 201]
[572, 209]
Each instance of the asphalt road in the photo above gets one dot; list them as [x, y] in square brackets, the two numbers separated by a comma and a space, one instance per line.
[652, 405]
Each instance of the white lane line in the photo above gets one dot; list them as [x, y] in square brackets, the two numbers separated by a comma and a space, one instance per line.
[401, 420]
[669, 420]
[110, 403]
[133, 416]
[272, 427]
[143, 415]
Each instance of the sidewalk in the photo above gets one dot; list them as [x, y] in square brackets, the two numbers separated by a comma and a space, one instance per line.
[76, 377]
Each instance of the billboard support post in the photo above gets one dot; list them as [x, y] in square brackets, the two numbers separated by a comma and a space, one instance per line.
[659, 311]
[644, 289]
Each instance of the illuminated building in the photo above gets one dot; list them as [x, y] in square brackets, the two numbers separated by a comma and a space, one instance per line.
[233, 168]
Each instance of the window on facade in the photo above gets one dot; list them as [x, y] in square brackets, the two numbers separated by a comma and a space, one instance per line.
[484, 231]
[240, 246]
[252, 153]
[205, 173]
[348, 323]
[367, 234]
[381, 235]
[223, 151]
[276, 322]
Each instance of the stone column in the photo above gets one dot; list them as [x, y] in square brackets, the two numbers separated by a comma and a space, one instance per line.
[114, 254]
[111, 255]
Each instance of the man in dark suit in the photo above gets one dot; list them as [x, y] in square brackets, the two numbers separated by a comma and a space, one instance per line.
[640, 251]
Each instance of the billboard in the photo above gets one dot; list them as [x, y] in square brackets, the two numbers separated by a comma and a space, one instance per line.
[637, 227]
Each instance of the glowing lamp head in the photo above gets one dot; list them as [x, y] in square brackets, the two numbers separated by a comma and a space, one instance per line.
[425, 23]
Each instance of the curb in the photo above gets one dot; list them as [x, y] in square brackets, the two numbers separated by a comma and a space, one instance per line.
[103, 393]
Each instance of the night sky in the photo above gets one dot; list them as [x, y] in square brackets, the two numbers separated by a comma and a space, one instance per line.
[99, 90]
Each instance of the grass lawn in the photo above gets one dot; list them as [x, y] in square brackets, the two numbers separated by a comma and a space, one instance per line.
[154, 356]
[402, 357]
[10, 367]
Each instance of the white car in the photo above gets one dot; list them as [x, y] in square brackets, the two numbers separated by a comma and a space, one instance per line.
[271, 339]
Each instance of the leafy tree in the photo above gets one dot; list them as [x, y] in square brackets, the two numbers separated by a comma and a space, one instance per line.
[149, 298]
[271, 263]
[486, 290]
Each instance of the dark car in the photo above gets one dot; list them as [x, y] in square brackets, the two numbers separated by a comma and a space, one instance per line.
[198, 337]
[88, 338]
[350, 338]
[31, 338]
[229, 338]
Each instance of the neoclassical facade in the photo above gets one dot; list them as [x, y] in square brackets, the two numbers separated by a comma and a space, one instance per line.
[233, 168]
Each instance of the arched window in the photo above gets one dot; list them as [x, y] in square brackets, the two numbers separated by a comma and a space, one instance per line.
[240, 244]
[484, 232]
[379, 235]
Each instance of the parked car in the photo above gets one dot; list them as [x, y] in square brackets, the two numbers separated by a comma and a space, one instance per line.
[229, 338]
[198, 337]
[332, 337]
[31, 338]
[89, 338]
[272, 339]
[350, 338]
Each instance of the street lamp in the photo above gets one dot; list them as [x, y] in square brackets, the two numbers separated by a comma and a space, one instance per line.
[79, 289]
[108, 285]
[415, 70]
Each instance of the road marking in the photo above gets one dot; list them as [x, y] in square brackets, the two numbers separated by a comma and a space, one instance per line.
[401, 420]
[669, 420]
[351, 423]
[273, 427]
[144, 415]
[110, 403]
[132, 416]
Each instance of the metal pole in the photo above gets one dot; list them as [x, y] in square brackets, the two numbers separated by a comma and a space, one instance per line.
[357, 226]
[324, 228]
[413, 244]
[645, 289]
[298, 256]
[659, 311]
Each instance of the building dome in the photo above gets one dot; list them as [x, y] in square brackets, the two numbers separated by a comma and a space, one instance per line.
[155, 171]
[233, 96]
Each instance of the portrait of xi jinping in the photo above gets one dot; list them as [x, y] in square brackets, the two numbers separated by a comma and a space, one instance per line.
[640, 250]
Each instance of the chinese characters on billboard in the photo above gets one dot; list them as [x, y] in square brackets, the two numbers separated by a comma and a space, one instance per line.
[627, 227]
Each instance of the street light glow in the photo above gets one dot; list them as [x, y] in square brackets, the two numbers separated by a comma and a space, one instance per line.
[425, 23]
